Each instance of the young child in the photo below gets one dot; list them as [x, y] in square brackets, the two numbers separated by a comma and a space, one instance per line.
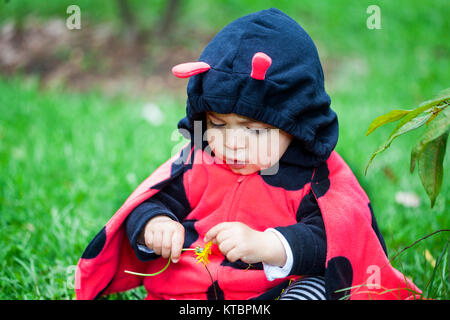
[259, 178]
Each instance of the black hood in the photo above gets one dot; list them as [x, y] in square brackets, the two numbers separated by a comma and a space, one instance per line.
[291, 97]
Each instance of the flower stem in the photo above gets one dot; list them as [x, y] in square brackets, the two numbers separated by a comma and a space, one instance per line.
[149, 274]
[156, 273]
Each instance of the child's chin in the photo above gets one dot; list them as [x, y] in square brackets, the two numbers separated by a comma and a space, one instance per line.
[246, 170]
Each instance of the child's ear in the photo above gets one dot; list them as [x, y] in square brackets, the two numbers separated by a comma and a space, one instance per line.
[189, 69]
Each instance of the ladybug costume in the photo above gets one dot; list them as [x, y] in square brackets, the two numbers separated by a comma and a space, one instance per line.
[263, 66]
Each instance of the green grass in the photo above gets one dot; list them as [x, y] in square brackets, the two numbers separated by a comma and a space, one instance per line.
[69, 160]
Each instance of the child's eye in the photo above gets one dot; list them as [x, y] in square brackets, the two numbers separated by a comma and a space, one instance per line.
[257, 131]
[215, 124]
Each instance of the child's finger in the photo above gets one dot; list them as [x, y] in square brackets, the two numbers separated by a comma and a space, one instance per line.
[177, 245]
[233, 255]
[226, 246]
[149, 239]
[166, 245]
[157, 241]
[212, 233]
[223, 235]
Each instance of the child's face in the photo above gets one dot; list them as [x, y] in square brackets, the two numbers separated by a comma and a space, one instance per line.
[243, 143]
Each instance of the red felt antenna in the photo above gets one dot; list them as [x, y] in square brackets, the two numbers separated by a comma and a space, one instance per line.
[260, 63]
[189, 69]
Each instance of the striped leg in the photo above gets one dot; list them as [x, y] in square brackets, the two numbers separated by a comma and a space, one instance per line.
[310, 288]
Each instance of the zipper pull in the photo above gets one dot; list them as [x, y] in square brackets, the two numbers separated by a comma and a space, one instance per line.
[240, 179]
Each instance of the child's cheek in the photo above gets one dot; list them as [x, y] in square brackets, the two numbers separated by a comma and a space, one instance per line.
[262, 155]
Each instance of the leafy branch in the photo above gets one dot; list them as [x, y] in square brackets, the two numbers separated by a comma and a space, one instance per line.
[429, 151]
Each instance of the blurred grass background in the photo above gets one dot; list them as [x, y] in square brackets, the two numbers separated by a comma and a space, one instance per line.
[85, 115]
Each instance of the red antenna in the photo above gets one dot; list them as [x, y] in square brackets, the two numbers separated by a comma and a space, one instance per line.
[189, 69]
[260, 63]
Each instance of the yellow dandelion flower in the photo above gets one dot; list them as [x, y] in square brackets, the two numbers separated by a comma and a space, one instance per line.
[203, 253]
[202, 256]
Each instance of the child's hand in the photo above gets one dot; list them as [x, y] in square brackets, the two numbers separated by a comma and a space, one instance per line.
[238, 241]
[165, 237]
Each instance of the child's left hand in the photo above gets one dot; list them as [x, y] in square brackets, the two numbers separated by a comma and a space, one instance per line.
[238, 241]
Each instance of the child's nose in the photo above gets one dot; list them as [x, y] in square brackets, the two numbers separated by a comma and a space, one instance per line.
[235, 139]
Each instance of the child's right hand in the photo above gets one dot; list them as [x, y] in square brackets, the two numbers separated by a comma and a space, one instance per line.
[165, 237]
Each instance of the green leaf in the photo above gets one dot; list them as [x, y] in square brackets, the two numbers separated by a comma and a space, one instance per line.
[431, 166]
[391, 116]
[425, 106]
[411, 125]
[436, 128]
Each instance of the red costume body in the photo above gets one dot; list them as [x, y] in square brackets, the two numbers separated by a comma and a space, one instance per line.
[216, 194]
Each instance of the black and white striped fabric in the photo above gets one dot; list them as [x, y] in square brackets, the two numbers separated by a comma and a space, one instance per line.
[310, 288]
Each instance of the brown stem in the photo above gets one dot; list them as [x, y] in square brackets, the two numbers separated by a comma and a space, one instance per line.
[212, 281]
[417, 241]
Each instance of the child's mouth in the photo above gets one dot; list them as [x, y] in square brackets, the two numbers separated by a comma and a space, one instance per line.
[235, 164]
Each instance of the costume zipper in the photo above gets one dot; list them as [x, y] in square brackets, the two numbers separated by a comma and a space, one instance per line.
[229, 215]
[235, 191]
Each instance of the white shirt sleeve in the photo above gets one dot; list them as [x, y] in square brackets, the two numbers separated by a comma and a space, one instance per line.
[276, 272]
